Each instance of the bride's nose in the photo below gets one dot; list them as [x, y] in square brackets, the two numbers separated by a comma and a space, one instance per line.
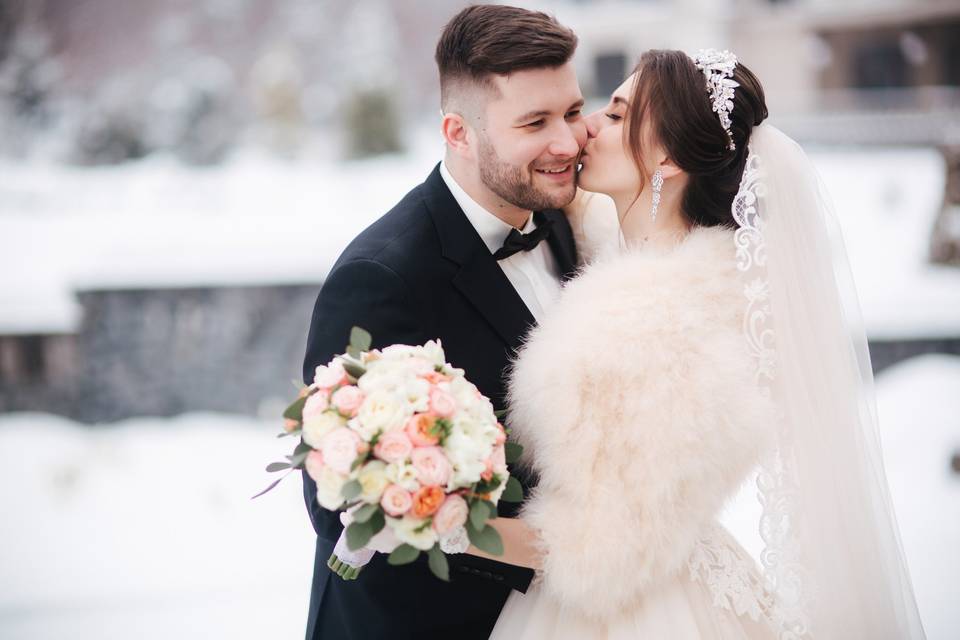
[594, 123]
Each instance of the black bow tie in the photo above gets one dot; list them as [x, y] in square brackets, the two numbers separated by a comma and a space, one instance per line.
[517, 242]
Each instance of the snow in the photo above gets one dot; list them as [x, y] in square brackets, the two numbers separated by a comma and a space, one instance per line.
[145, 529]
[258, 219]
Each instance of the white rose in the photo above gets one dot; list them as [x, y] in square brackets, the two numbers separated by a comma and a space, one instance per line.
[381, 412]
[317, 426]
[403, 474]
[373, 480]
[467, 457]
[433, 351]
[329, 487]
[417, 393]
[398, 352]
[405, 530]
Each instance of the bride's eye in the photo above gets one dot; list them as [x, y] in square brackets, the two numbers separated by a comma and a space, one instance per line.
[614, 117]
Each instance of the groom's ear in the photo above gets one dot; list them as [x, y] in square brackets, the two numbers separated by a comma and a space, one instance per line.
[456, 134]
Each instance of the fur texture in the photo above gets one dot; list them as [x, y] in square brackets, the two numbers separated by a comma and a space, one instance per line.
[636, 405]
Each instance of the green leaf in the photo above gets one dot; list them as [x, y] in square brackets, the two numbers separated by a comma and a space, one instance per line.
[297, 384]
[272, 485]
[358, 535]
[363, 513]
[300, 455]
[493, 509]
[500, 413]
[273, 467]
[485, 486]
[479, 513]
[295, 410]
[513, 492]
[512, 451]
[358, 461]
[404, 554]
[353, 352]
[377, 522]
[438, 563]
[287, 434]
[361, 339]
[486, 539]
[351, 490]
[302, 447]
[355, 369]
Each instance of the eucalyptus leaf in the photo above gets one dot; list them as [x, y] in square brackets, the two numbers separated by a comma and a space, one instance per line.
[351, 490]
[500, 413]
[404, 554]
[273, 467]
[486, 539]
[302, 447]
[272, 485]
[355, 369]
[287, 434]
[358, 535]
[512, 451]
[353, 352]
[360, 338]
[377, 522]
[297, 459]
[479, 513]
[363, 513]
[513, 492]
[438, 563]
[295, 410]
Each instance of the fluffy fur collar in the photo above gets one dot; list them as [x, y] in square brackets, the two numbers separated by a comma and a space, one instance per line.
[636, 404]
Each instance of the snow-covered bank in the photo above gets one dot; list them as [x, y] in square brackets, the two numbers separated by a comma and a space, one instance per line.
[145, 528]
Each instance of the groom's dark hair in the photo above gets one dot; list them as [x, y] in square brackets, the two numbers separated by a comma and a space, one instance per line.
[490, 39]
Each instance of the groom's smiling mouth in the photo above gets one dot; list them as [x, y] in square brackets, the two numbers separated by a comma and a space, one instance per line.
[559, 173]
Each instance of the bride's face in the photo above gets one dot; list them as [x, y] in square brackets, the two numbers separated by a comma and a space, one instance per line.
[607, 164]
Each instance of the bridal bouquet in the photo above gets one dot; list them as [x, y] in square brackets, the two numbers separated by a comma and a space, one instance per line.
[407, 447]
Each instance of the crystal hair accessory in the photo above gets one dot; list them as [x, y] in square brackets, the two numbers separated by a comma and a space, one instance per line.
[718, 67]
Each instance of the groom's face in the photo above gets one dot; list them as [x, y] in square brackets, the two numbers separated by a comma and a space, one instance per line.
[531, 137]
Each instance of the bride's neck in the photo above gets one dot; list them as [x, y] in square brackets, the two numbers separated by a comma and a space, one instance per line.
[640, 230]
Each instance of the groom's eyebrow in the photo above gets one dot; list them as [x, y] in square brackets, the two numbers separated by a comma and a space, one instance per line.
[539, 113]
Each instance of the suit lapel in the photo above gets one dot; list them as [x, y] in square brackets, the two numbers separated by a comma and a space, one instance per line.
[479, 278]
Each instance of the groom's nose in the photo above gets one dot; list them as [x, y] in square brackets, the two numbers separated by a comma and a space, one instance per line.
[569, 140]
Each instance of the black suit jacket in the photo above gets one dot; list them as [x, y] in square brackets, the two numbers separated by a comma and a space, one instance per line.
[418, 273]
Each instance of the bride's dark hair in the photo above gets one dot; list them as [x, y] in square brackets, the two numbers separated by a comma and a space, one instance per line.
[671, 92]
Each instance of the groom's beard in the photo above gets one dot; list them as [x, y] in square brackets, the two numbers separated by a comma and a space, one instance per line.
[508, 182]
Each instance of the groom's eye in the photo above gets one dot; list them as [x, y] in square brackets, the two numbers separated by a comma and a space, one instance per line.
[535, 123]
[573, 114]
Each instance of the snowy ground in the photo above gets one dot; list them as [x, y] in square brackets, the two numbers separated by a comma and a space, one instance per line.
[144, 529]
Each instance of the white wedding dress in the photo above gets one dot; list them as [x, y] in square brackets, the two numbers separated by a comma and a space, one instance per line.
[681, 608]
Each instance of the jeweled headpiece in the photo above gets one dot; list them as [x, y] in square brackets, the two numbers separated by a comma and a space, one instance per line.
[717, 68]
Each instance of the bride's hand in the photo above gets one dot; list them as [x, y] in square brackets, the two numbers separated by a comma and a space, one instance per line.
[519, 543]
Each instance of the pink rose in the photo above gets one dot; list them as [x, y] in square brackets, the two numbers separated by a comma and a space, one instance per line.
[499, 459]
[340, 448]
[393, 446]
[501, 435]
[442, 403]
[314, 464]
[327, 377]
[431, 465]
[451, 514]
[396, 500]
[347, 400]
[315, 405]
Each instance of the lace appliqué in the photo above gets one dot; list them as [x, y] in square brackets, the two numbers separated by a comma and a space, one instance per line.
[781, 593]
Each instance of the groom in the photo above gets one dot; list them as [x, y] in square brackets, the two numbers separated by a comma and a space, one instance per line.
[472, 256]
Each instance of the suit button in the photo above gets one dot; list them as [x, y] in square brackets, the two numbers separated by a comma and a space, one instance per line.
[486, 574]
[462, 569]
[475, 572]
[498, 578]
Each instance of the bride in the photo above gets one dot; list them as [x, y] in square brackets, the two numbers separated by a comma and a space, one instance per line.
[716, 339]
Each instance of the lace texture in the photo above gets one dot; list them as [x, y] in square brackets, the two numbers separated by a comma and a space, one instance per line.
[780, 593]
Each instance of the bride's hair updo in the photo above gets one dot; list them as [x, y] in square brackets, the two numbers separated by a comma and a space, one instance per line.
[671, 93]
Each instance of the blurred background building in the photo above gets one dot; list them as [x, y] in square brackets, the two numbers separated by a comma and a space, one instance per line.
[177, 177]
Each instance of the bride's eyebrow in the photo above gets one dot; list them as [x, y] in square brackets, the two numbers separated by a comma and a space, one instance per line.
[618, 100]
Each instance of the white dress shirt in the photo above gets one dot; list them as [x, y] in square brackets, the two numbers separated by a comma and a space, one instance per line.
[534, 274]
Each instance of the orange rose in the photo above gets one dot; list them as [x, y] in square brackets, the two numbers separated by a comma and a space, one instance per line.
[427, 500]
[420, 429]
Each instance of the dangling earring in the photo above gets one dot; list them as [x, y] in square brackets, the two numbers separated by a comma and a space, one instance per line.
[657, 183]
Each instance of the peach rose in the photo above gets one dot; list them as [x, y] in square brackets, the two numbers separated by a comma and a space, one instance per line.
[327, 377]
[340, 448]
[396, 500]
[442, 403]
[426, 501]
[314, 464]
[451, 514]
[347, 400]
[431, 465]
[393, 446]
[420, 429]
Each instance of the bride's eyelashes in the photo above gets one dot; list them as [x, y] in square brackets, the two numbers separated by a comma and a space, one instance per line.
[614, 117]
